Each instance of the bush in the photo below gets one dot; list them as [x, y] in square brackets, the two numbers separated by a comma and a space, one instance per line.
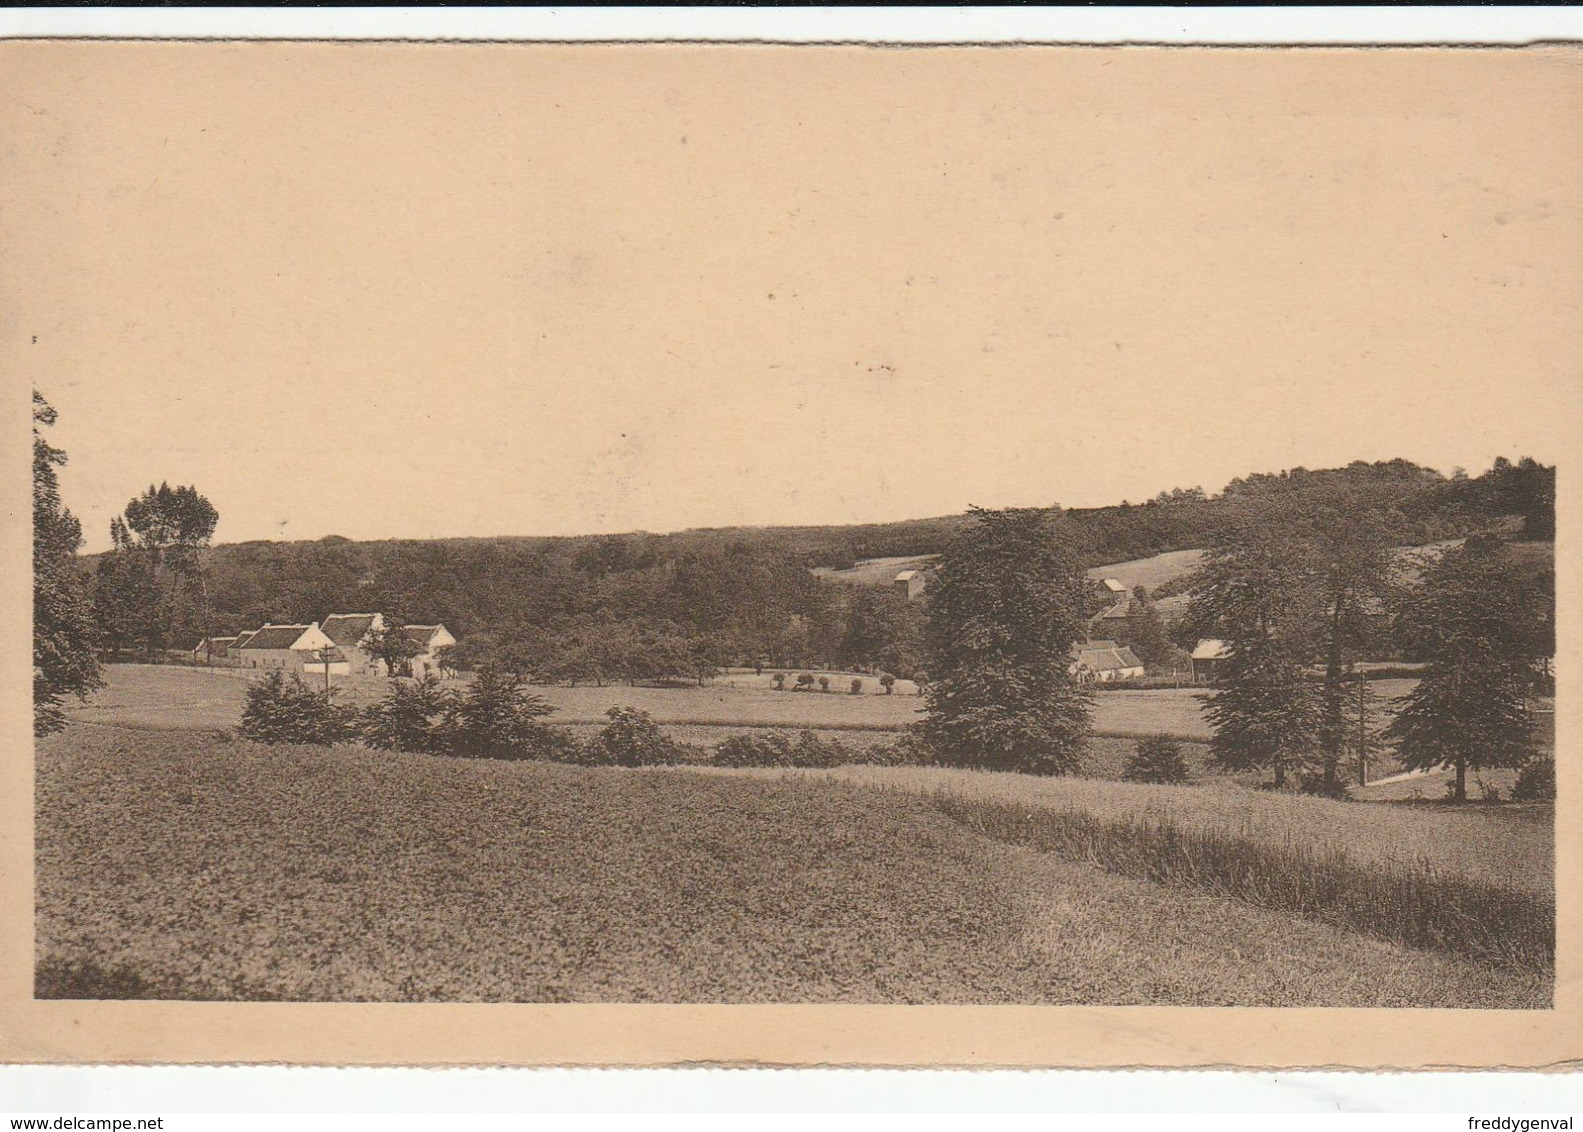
[1157, 759]
[816, 753]
[767, 749]
[775, 749]
[888, 682]
[1536, 782]
[824, 683]
[288, 711]
[857, 686]
[499, 718]
[416, 716]
[805, 682]
[631, 738]
[1313, 782]
[780, 681]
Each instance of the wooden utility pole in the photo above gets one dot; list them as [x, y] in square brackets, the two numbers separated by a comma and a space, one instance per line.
[324, 658]
[1363, 730]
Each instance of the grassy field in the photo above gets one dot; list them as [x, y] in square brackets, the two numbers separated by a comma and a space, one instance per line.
[1150, 572]
[177, 866]
[876, 571]
[157, 696]
[170, 697]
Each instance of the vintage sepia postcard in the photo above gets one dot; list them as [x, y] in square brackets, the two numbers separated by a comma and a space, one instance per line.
[653, 554]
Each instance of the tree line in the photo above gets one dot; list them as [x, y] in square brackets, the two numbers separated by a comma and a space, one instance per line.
[1302, 591]
[603, 608]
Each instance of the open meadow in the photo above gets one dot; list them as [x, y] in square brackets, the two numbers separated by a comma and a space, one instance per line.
[175, 696]
[186, 865]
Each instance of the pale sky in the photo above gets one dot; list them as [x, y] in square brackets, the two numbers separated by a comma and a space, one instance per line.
[383, 291]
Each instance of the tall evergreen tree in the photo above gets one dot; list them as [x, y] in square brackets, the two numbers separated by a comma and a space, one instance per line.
[1355, 588]
[64, 631]
[1256, 590]
[1149, 638]
[1003, 614]
[1480, 625]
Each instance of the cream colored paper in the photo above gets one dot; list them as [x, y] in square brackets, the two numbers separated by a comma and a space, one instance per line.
[393, 158]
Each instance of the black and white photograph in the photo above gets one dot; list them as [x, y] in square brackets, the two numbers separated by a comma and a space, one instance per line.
[746, 525]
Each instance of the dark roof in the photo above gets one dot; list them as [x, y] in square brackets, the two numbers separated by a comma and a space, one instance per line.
[1177, 605]
[348, 629]
[275, 637]
[1107, 660]
[1122, 609]
[243, 637]
[422, 634]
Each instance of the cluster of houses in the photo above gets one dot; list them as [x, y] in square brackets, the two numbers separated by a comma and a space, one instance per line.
[338, 645]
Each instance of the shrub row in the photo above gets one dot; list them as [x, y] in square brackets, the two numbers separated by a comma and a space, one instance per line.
[1411, 905]
[497, 717]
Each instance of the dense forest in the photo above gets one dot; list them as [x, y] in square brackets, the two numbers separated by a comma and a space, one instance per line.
[736, 595]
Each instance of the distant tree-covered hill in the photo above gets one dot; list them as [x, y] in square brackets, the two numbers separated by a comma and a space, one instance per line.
[737, 593]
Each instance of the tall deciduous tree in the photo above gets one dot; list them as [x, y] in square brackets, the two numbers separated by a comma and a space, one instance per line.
[159, 540]
[65, 632]
[1480, 625]
[1004, 611]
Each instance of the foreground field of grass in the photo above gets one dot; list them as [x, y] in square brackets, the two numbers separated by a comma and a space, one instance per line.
[171, 866]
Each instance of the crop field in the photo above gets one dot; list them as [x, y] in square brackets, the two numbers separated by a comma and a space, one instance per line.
[1508, 846]
[179, 866]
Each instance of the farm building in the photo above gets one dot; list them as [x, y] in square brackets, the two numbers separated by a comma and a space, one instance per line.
[290, 648]
[1209, 659]
[1122, 619]
[212, 649]
[431, 638]
[911, 583]
[1101, 662]
[350, 631]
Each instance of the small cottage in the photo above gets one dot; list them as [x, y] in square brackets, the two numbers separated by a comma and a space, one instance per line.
[211, 649]
[350, 632]
[431, 639]
[1209, 659]
[1103, 662]
[911, 583]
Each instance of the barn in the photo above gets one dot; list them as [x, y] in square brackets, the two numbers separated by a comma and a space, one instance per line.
[290, 648]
